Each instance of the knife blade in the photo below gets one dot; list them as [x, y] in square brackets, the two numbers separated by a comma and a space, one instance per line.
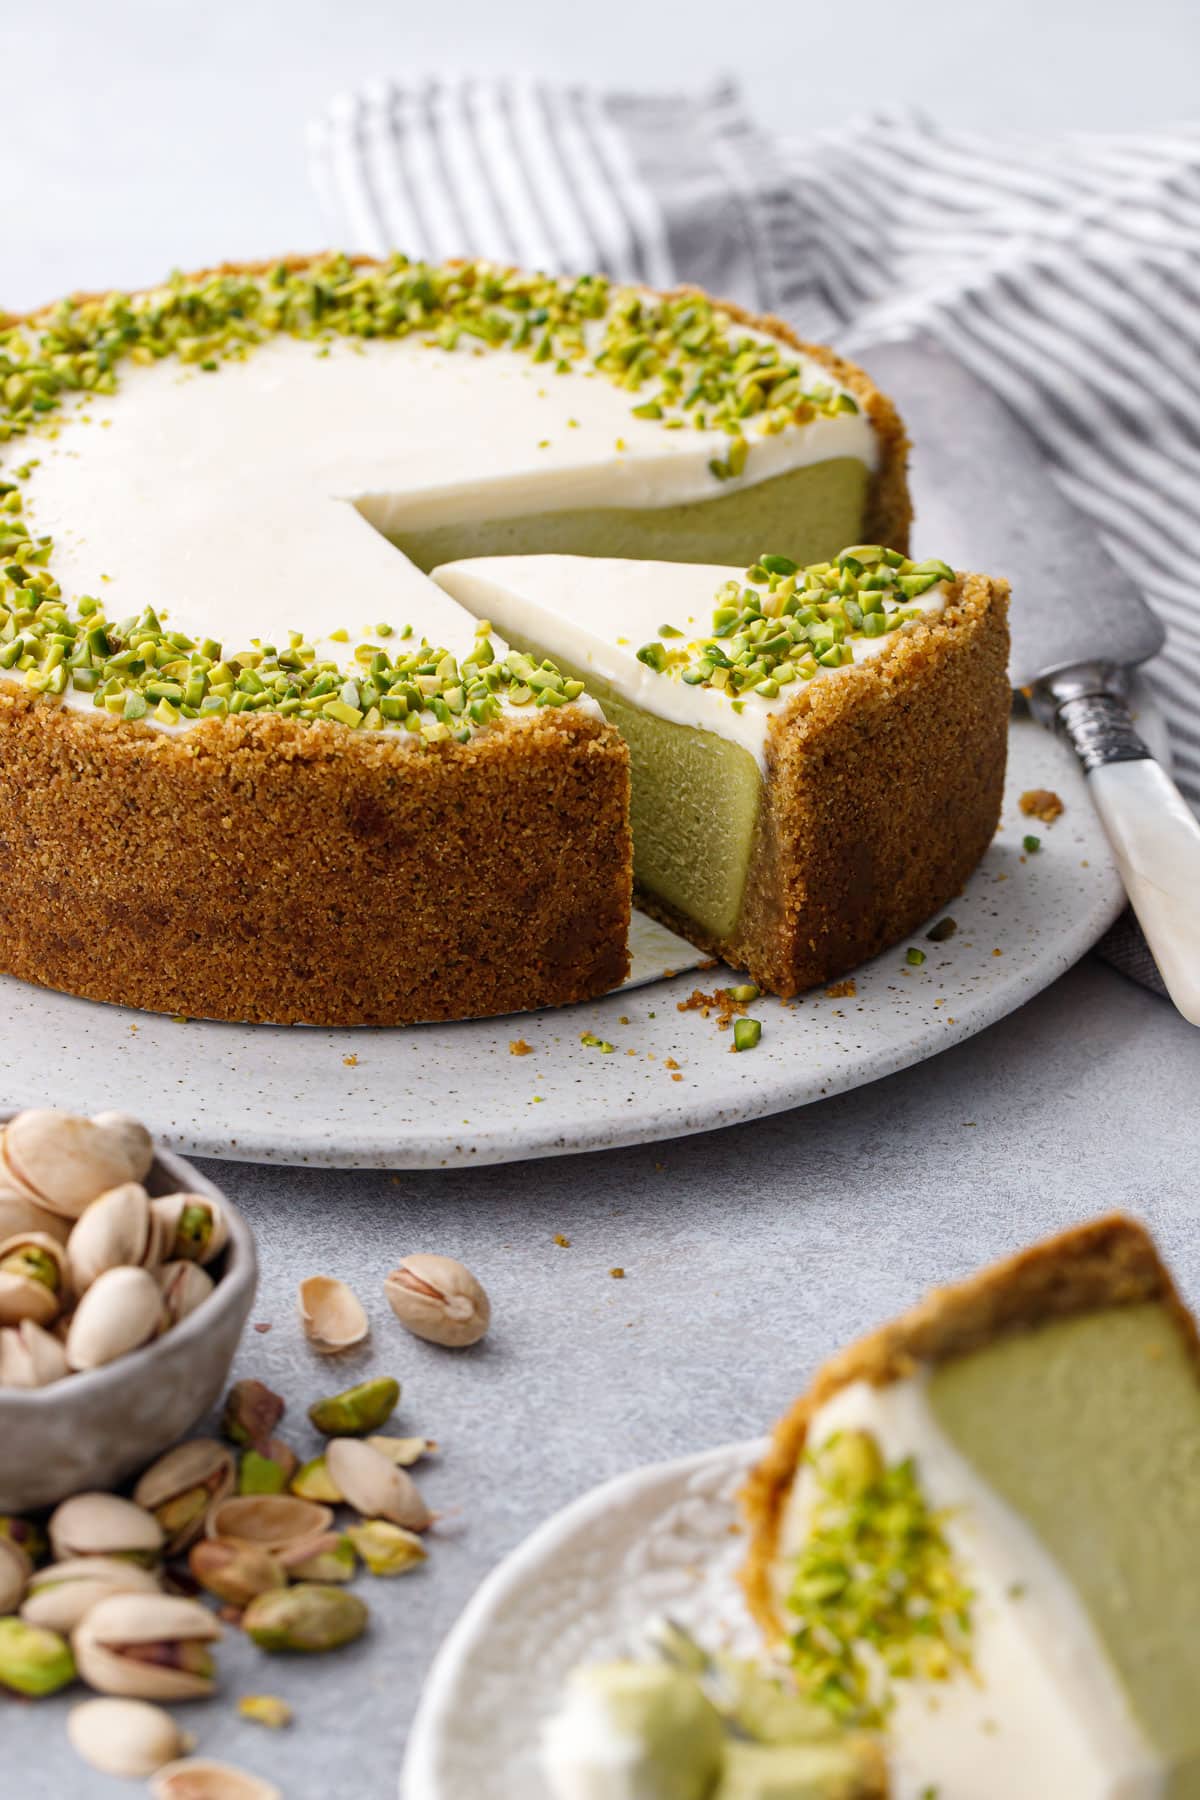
[984, 499]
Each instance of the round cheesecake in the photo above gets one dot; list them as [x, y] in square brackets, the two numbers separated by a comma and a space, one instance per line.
[260, 765]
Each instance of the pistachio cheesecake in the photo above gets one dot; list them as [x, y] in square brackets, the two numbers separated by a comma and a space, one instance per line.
[259, 765]
[978, 1531]
[817, 752]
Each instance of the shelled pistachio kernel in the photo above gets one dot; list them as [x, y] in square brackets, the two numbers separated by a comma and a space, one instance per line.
[787, 623]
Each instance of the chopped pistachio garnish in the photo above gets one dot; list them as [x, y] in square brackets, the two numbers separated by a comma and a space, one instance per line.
[876, 1594]
[787, 623]
[746, 1034]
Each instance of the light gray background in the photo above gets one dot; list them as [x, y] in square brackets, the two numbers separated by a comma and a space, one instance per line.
[138, 136]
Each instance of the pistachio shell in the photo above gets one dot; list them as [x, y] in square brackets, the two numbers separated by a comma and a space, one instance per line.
[19, 1214]
[59, 1596]
[437, 1298]
[404, 1451]
[109, 1636]
[114, 1232]
[15, 1571]
[235, 1573]
[175, 1212]
[375, 1487]
[201, 1779]
[23, 1297]
[64, 1162]
[134, 1139]
[30, 1357]
[122, 1310]
[125, 1737]
[332, 1315]
[184, 1287]
[181, 1486]
[103, 1525]
[272, 1522]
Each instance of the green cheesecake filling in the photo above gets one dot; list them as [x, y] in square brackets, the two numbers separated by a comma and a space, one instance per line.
[1090, 1429]
[813, 510]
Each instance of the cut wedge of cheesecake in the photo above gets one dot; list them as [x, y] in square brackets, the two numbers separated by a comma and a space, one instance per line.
[258, 765]
[817, 752]
[979, 1530]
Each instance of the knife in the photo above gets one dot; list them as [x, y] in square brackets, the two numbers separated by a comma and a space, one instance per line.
[985, 499]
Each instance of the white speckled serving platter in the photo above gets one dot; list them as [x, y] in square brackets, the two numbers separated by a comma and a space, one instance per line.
[434, 1095]
[582, 1588]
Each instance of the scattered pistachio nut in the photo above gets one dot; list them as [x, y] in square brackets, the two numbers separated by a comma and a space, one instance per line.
[181, 1486]
[192, 1227]
[122, 1310]
[33, 1661]
[271, 1522]
[357, 1410]
[310, 1618]
[60, 1595]
[312, 1481]
[64, 1162]
[375, 1487]
[115, 1231]
[333, 1317]
[265, 1709]
[235, 1573]
[330, 1558]
[15, 1572]
[184, 1286]
[404, 1451]
[251, 1414]
[148, 1647]
[130, 1738]
[34, 1279]
[96, 1524]
[202, 1779]
[387, 1549]
[262, 1474]
[439, 1299]
[31, 1357]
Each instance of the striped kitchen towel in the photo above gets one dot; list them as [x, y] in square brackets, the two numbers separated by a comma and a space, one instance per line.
[1064, 269]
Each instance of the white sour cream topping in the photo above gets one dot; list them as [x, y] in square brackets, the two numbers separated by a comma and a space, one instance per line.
[236, 503]
[1045, 1714]
[596, 614]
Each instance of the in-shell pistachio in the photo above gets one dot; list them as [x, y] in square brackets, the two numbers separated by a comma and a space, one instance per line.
[312, 1481]
[309, 1618]
[33, 1661]
[332, 1315]
[328, 1558]
[96, 1524]
[181, 1486]
[30, 1357]
[251, 1414]
[15, 1571]
[439, 1299]
[199, 1778]
[121, 1311]
[65, 1162]
[375, 1487]
[358, 1409]
[192, 1227]
[19, 1216]
[137, 1146]
[147, 1647]
[131, 1738]
[271, 1522]
[33, 1279]
[184, 1287]
[235, 1573]
[60, 1595]
[385, 1548]
[115, 1231]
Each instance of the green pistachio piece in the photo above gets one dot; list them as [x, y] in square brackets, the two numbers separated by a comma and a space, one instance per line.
[387, 1549]
[339, 1563]
[32, 1264]
[261, 1475]
[308, 1618]
[193, 1232]
[33, 1661]
[358, 1409]
[312, 1481]
[265, 1709]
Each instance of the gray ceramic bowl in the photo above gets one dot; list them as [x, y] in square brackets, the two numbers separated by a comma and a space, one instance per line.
[91, 1431]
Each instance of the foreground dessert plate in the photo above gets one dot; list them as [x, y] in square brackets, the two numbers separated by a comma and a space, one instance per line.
[580, 1589]
[432, 1096]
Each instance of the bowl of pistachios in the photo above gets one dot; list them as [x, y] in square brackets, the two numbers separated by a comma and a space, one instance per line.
[126, 1279]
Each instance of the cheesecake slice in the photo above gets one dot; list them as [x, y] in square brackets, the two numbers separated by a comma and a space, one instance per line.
[817, 751]
[980, 1531]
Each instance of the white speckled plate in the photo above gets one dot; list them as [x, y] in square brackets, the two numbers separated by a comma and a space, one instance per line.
[581, 1588]
[434, 1095]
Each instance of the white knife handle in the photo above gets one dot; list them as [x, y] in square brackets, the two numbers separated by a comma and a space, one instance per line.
[1156, 840]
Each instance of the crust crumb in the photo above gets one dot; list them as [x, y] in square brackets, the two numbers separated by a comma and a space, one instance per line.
[1041, 803]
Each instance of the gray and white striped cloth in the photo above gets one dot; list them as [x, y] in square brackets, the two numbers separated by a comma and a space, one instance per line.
[1064, 269]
